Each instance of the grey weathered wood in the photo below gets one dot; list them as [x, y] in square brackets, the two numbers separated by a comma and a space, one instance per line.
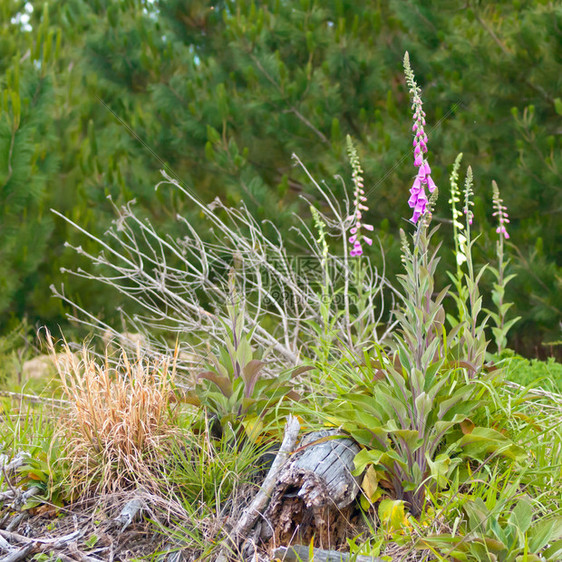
[329, 456]
[21, 554]
[314, 492]
[301, 554]
[249, 516]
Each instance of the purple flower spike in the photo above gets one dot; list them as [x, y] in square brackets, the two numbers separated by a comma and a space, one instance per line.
[418, 198]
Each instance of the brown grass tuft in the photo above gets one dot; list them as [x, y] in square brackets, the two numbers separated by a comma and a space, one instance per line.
[120, 421]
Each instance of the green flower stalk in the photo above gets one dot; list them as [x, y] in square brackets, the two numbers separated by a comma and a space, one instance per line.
[501, 213]
[321, 228]
[502, 326]
[359, 200]
[460, 241]
[458, 226]
[466, 241]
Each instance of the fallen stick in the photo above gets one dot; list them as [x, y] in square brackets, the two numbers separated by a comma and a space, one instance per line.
[248, 519]
[59, 402]
[56, 542]
[20, 554]
[302, 554]
[34, 545]
[132, 509]
[5, 545]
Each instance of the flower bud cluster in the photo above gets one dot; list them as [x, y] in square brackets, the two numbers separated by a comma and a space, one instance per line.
[500, 211]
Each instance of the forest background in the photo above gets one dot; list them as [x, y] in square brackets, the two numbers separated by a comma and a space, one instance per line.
[97, 96]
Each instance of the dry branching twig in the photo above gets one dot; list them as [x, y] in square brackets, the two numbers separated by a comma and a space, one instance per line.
[181, 284]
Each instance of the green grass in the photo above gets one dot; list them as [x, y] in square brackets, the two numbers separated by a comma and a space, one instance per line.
[545, 374]
[203, 484]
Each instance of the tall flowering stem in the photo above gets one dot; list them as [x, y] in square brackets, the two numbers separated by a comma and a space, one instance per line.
[359, 203]
[468, 297]
[418, 198]
[466, 242]
[500, 211]
[498, 293]
[460, 241]
[418, 262]
[458, 226]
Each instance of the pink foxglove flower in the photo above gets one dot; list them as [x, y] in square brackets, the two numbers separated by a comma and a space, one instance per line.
[359, 200]
[500, 212]
[418, 197]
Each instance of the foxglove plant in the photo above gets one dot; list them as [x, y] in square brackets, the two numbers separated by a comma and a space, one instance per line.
[474, 332]
[500, 212]
[458, 237]
[420, 266]
[408, 403]
[325, 331]
[460, 247]
[418, 198]
[412, 408]
[359, 202]
[361, 269]
[502, 326]
[467, 297]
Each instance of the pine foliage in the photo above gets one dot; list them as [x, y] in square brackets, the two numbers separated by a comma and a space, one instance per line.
[221, 94]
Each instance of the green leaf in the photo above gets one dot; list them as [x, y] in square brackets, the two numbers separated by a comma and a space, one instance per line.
[393, 515]
[301, 370]
[439, 469]
[543, 532]
[484, 440]
[251, 371]
[522, 515]
[365, 458]
[409, 437]
[222, 382]
[554, 551]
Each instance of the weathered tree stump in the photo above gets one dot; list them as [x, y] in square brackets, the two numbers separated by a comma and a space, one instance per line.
[313, 493]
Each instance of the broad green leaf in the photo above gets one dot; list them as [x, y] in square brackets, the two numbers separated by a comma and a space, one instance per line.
[409, 436]
[251, 371]
[486, 440]
[393, 515]
[543, 532]
[522, 515]
[365, 458]
[554, 551]
[440, 469]
[253, 427]
[477, 514]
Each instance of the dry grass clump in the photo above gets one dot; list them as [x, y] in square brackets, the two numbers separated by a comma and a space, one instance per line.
[119, 423]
